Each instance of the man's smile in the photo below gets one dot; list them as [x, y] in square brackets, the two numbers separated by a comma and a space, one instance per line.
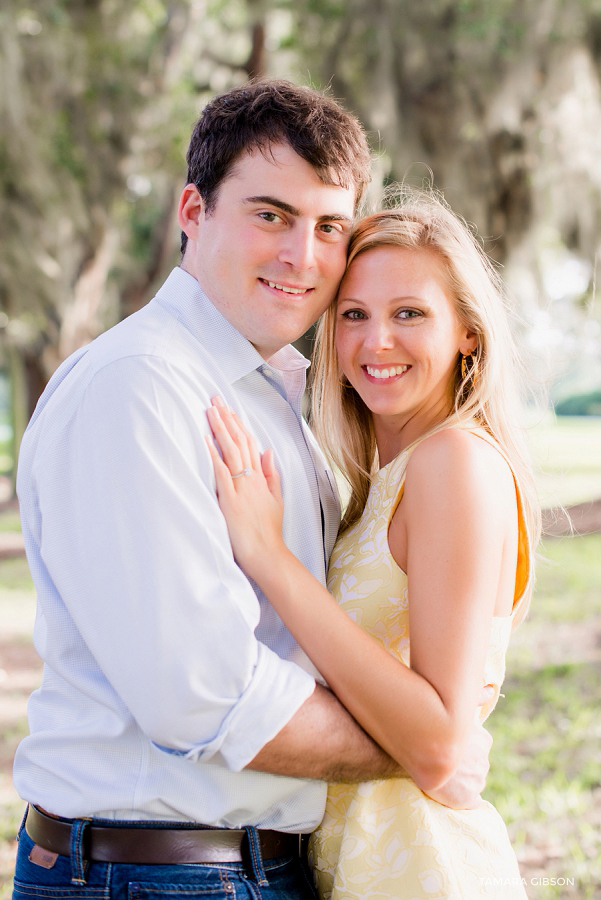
[285, 288]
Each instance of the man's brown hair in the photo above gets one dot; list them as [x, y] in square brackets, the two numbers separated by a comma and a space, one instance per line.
[263, 113]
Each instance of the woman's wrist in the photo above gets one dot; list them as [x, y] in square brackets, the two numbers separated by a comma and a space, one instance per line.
[274, 571]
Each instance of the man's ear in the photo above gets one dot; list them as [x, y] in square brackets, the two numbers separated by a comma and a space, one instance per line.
[190, 211]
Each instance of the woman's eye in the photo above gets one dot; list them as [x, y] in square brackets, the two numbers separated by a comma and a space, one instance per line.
[353, 314]
[408, 314]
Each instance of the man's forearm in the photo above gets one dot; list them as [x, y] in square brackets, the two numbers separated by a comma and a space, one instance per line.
[323, 741]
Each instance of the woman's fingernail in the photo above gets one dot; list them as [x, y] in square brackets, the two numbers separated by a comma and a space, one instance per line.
[218, 401]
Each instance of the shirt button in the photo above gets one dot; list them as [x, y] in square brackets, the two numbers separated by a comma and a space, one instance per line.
[267, 372]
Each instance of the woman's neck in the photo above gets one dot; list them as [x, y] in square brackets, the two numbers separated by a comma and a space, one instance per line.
[395, 433]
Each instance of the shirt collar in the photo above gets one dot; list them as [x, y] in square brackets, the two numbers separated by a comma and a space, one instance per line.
[288, 360]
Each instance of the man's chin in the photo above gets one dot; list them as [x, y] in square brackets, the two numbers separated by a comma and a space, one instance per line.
[287, 332]
[269, 347]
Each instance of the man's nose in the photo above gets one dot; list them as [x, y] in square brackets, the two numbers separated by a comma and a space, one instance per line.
[299, 248]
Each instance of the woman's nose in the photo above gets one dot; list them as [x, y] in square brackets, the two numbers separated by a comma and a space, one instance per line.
[379, 335]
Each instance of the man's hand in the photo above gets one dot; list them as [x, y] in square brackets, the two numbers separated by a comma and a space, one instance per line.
[463, 789]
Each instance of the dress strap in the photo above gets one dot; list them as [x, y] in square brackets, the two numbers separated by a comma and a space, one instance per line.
[524, 568]
[396, 474]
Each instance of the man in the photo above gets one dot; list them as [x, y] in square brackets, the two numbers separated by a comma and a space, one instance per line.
[173, 697]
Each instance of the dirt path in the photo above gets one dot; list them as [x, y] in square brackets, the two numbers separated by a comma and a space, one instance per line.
[584, 518]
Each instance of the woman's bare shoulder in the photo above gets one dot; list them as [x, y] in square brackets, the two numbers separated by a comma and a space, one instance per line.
[457, 460]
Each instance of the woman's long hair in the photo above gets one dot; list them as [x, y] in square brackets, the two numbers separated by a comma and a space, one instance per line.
[421, 219]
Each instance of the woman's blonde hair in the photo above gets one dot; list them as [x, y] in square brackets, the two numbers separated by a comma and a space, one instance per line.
[488, 394]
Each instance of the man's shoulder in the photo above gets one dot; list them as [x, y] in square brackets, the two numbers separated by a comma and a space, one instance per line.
[149, 339]
[152, 332]
[129, 361]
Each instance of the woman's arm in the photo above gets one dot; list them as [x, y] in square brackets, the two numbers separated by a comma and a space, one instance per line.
[455, 534]
[420, 716]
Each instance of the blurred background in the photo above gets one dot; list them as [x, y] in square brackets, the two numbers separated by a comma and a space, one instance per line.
[499, 101]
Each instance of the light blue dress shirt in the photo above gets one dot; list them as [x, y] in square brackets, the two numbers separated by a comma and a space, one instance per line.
[165, 671]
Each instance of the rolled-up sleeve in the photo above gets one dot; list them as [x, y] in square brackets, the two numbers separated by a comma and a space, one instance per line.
[137, 548]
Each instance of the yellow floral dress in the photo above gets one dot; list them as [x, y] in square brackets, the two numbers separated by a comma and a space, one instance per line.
[386, 839]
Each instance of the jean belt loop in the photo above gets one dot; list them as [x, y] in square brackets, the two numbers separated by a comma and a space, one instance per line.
[78, 863]
[23, 820]
[256, 860]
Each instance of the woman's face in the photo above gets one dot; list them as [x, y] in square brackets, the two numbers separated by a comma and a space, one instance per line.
[398, 336]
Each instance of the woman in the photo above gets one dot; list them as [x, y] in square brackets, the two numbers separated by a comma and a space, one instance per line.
[413, 400]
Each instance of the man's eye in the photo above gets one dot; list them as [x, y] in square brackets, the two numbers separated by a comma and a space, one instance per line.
[269, 216]
[331, 230]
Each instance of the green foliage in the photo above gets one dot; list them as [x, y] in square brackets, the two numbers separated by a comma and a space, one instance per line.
[64, 148]
[580, 405]
[86, 100]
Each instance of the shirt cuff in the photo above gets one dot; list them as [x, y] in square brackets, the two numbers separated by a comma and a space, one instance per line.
[276, 692]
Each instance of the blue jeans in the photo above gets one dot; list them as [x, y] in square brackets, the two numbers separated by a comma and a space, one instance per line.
[273, 879]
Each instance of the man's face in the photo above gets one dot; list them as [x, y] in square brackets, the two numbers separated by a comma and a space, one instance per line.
[272, 251]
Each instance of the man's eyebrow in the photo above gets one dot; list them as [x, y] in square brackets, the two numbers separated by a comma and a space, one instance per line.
[293, 211]
[336, 217]
[273, 201]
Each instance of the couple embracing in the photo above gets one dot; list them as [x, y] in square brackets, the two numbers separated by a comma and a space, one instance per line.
[206, 701]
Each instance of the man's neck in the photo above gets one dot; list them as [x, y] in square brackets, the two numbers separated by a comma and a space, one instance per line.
[265, 352]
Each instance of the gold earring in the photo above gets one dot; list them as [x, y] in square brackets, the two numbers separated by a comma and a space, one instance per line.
[472, 371]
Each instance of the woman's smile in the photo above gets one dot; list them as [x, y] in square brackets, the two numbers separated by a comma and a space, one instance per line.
[385, 374]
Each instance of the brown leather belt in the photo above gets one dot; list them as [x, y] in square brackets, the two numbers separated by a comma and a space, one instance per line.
[159, 845]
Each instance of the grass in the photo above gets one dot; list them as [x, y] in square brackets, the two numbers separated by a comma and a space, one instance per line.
[568, 585]
[17, 609]
[9, 521]
[545, 777]
[14, 576]
[567, 450]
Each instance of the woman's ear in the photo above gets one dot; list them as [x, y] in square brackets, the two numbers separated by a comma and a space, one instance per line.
[469, 343]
